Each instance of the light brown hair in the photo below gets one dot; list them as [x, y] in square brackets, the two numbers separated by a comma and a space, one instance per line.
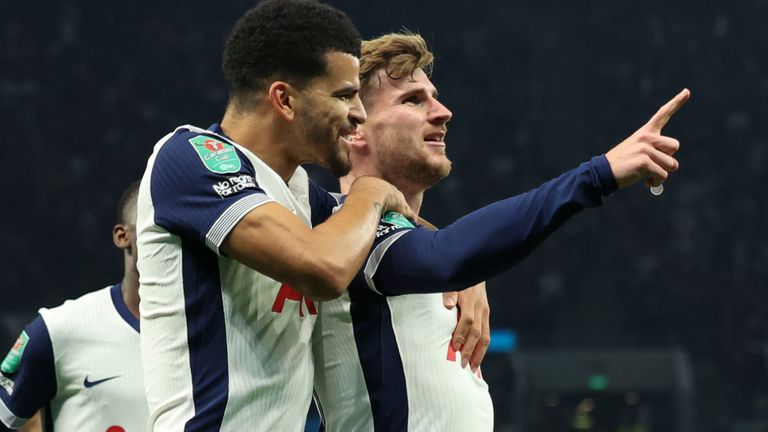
[399, 54]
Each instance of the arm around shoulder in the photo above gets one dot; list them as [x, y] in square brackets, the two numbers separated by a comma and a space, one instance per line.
[321, 262]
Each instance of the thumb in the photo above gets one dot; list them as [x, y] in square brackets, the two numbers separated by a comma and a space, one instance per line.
[450, 299]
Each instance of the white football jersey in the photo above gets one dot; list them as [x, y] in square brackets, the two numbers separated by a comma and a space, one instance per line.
[79, 362]
[384, 363]
[224, 347]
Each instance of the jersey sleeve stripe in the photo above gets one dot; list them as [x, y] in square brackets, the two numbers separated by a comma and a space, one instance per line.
[230, 218]
[375, 258]
[9, 419]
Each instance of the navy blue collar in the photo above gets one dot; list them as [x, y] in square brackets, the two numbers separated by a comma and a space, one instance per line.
[216, 128]
[120, 306]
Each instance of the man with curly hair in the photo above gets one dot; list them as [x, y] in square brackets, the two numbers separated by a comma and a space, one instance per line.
[231, 254]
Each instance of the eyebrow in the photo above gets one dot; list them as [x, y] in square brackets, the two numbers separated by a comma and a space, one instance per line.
[417, 91]
[348, 89]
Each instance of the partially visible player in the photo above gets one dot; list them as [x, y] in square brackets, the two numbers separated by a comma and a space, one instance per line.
[384, 359]
[230, 259]
[78, 364]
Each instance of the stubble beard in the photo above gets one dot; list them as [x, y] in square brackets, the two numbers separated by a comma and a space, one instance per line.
[412, 164]
[338, 165]
[330, 155]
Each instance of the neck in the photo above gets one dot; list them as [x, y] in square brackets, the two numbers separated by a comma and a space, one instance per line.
[259, 132]
[414, 201]
[130, 287]
[414, 195]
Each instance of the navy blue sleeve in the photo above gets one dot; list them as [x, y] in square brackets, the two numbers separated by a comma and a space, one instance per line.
[201, 186]
[321, 202]
[27, 375]
[486, 242]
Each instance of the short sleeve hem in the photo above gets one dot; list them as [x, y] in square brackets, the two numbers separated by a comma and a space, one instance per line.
[375, 258]
[230, 217]
[10, 420]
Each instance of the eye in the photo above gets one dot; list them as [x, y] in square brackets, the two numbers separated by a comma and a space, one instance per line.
[345, 95]
[412, 100]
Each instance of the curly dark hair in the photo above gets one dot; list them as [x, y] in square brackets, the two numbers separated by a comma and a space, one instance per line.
[284, 40]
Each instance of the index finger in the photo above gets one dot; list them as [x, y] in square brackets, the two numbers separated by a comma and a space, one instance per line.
[482, 347]
[662, 116]
[461, 332]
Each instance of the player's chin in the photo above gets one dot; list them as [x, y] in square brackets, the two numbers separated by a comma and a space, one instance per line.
[443, 167]
[339, 165]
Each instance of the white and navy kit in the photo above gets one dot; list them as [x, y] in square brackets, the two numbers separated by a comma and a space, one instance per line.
[383, 353]
[79, 362]
[415, 380]
[223, 346]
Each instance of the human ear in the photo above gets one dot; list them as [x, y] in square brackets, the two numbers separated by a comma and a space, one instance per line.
[281, 97]
[121, 237]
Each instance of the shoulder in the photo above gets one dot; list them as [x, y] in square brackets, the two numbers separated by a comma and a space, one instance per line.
[322, 202]
[210, 151]
[83, 309]
[319, 193]
[83, 303]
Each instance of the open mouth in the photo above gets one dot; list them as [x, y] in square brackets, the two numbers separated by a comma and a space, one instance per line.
[347, 134]
[436, 139]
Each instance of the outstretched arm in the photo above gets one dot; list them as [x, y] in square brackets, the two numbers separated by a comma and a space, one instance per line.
[485, 242]
[494, 238]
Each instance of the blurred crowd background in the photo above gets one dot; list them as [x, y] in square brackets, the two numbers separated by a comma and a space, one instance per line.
[648, 314]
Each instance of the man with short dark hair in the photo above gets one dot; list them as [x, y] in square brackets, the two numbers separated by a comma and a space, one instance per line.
[85, 350]
[231, 254]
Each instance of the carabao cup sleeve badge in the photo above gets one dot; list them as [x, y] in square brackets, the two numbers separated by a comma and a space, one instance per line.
[396, 220]
[12, 360]
[217, 156]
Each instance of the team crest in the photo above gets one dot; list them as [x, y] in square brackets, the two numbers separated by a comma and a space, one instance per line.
[12, 360]
[219, 157]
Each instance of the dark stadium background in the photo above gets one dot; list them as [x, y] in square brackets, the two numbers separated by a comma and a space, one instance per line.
[654, 308]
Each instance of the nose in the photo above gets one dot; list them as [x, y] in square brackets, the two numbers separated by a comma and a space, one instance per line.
[357, 114]
[439, 114]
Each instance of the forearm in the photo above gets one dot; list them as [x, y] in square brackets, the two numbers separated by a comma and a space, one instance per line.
[492, 239]
[319, 263]
[344, 240]
[34, 424]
